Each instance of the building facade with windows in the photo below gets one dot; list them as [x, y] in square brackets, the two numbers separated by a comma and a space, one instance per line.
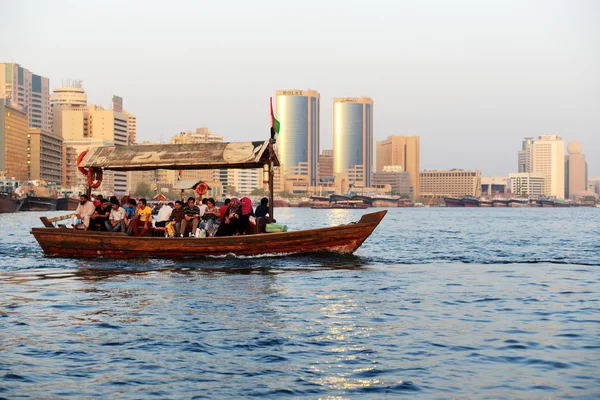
[45, 156]
[29, 90]
[298, 112]
[13, 140]
[403, 151]
[455, 182]
[353, 138]
[549, 161]
[527, 184]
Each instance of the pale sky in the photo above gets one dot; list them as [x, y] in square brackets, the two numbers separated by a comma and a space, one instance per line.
[470, 77]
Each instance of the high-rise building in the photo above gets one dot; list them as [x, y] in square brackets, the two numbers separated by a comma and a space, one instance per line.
[29, 90]
[45, 156]
[13, 140]
[353, 138]
[526, 184]
[298, 112]
[403, 151]
[575, 170]
[526, 155]
[131, 128]
[455, 182]
[549, 161]
[93, 126]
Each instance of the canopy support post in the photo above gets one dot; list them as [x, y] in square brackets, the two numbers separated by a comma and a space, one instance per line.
[271, 177]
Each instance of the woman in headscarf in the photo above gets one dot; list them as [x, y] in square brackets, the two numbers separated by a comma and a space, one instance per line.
[210, 218]
[247, 212]
[229, 226]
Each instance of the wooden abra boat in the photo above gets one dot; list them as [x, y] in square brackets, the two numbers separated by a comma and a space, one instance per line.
[77, 243]
[62, 241]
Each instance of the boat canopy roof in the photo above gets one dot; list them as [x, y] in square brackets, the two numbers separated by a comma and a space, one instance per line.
[140, 157]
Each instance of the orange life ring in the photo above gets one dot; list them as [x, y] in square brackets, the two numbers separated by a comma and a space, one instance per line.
[81, 169]
[90, 175]
[201, 188]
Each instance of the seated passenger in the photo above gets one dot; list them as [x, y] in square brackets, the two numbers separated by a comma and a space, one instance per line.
[211, 218]
[84, 211]
[177, 215]
[244, 225]
[143, 219]
[229, 227]
[100, 215]
[130, 209]
[163, 215]
[263, 209]
[223, 209]
[192, 216]
[115, 219]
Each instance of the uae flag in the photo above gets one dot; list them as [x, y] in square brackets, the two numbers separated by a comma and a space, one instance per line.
[274, 123]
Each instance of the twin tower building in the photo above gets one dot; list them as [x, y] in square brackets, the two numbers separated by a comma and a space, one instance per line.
[298, 111]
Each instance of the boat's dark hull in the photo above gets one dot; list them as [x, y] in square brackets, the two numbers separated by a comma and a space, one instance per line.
[38, 203]
[77, 243]
[547, 203]
[470, 202]
[485, 203]
[67, 204]
[453, 202]
[9, 204]
[365, 199]
[518, 203]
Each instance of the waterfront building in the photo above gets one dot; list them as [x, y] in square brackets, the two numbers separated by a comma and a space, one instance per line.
[353, 138]
[396, 177]
[13, 139]
[93, 125]
[527, 184]
[298, 112]
[575, 170]
[494, 185]
[45, 156]
[29, 90]
[403, 151]
[454, 182]
[131, 127]
[594, 184]
[549, 160]
[326, 165]
[526, 155]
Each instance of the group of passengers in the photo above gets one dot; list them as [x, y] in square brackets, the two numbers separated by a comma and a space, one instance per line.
[235, 217]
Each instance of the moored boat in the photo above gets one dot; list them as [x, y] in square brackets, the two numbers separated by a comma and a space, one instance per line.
[485, 202]
[452, 202]
[547, 203]
[39, 196]
[499, 202]
[9, 200]
[518, 202]
[470, 201]
[386, 201]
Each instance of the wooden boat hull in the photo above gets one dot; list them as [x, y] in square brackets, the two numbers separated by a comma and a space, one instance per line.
[39, 203]
[87, 244]
[9, 204]
[67, 204]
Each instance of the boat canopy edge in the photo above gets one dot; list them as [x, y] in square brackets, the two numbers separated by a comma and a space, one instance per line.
[241, 155]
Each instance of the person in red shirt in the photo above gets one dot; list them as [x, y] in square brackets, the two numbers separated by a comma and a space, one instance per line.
[224, 208]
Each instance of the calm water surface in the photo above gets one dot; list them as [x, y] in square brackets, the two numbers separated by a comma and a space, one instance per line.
[438, 303]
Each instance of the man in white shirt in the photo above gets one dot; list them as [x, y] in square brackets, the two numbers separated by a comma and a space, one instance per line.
[164, 215]
[84, 211]
[203, 207]
[116, 217]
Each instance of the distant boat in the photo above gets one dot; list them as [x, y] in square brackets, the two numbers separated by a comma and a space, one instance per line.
[485, 202]
[470, 201]
[499, 202]
[518, 202]
[452, 202]
[9, 200]
[39, 196]
[365, 199]
[387, 201]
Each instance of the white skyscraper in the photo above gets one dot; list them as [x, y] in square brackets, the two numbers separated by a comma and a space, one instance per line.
[549, 161]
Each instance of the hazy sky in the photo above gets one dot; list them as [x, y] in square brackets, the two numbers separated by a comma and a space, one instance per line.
[470, 77]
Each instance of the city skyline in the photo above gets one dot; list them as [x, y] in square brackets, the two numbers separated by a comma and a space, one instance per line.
[473, 84]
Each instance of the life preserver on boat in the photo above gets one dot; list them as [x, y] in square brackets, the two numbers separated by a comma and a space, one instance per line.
[94, 173]
[81, 169]
[201, 188]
